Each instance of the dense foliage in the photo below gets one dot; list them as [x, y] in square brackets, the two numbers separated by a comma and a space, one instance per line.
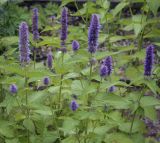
[95, 81]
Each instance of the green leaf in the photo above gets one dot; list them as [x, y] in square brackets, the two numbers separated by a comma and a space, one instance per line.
[69, 125]
[6, 130]
[149, 101]
[150, 112]
[153, 5]
[153, 86]
[138, 23]
[117, 102]
[28, 124]
[138, 126]
[117, 138]
[65, 2]
[101, 130]
[50, 137]
[12, 141]
[70, 76]
[119, 7]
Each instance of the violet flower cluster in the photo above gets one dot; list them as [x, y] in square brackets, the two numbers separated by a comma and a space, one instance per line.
[35, 24]
[106, 67]
[13, 88]
[24, 43]
[149, 60]
[46, 81]
[93, 33]
[74, 105]
[108, 63]
[112, 89]
[64, 26]
[75, 45]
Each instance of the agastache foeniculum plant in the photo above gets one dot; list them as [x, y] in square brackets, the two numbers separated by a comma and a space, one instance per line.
[24, 43]
[35, 24]
[93, 81]
[149, 60]
[93, 33]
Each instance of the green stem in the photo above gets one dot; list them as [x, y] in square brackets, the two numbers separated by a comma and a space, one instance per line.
[61, 82]
[53, 118]
[34, 55]
[90, 72]
[26, 93]
[18, 103]
[60, 91]
[134, 115]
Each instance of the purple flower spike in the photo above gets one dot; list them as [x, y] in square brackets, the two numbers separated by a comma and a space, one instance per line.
[35, 24]
[108, 63]
[64, 26]
[112, 89]
[24, 43]
[75, 45]
[46, 81]
[103, 70]
[93, 33]
[149, 60]
[49, 60]
[74, 105]
[13, 88]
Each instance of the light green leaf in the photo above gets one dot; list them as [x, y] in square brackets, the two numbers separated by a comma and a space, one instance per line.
[149, 101]
[153, 5]
[28, 124]
[117, 138]
[150, 112]
[119, 7]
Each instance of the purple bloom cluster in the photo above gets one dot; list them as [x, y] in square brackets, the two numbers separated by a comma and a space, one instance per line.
[46, 80]
[112, 89]
[64, 26]
[74, 105]
[103, 70]
[75, 45]
[49, 60]
[106, 67]
[35, 24]
[108, 63]
[13, 88]
[93, 33]
[24, 43]
[149, 60]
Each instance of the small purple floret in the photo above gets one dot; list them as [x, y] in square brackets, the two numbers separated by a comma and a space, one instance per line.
[112, 89]
[74, 105]
[103, 70]
[108, 63]
[75, 45]
[13, 88]
[46, 81]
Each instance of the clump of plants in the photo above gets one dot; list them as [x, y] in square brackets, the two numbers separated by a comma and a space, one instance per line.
[89, 88]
